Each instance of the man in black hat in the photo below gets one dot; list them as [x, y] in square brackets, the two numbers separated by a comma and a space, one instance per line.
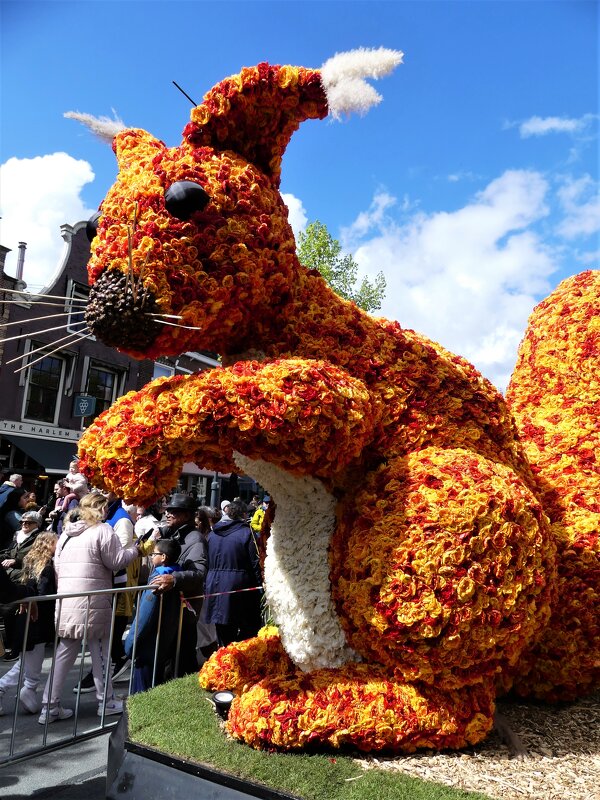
[189, 580]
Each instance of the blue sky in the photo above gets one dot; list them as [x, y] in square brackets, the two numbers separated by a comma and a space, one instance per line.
[473, 186]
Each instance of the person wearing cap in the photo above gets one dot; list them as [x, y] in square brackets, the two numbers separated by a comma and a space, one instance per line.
[189, 580]
[258, 516]
[224, 509]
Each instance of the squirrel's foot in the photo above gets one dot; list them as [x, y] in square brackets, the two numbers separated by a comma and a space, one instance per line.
[361, 706]
[240, 665]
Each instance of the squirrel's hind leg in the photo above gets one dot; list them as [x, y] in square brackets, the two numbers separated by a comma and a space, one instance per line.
[361, 706]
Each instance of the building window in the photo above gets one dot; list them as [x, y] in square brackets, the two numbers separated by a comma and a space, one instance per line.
[76, 309]
[103, 384]
[163, 370]
[43, 389]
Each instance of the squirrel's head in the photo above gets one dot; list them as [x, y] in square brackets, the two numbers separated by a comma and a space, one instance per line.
[191, 247]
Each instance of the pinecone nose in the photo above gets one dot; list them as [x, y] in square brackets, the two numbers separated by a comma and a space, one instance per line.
[119, 315]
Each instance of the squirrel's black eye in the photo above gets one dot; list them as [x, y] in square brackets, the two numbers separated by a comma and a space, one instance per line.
[91, 226]
[183, 198]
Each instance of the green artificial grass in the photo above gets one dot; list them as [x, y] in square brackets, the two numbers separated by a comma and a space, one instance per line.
[178, 718]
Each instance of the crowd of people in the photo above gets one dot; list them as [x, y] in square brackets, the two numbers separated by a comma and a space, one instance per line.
[197, 562]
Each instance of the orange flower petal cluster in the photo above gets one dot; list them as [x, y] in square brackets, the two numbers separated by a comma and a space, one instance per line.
[555, 397]
[242, 664]
[211, 271]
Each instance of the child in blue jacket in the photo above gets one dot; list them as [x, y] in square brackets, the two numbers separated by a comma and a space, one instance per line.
[144, 628]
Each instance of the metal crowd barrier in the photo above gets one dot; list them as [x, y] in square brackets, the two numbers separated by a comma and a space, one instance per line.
[32, 745]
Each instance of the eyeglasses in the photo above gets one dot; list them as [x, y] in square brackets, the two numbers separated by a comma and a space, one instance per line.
[27, 522]
[157, 554]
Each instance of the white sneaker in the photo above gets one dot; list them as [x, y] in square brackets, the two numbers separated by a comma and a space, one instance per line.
[31, 701]
[113, 706]
[56, 713]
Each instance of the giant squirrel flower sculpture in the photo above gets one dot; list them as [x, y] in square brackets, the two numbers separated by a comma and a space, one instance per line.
[412, 568]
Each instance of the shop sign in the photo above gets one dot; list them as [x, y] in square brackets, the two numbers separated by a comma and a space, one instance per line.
[35, 430]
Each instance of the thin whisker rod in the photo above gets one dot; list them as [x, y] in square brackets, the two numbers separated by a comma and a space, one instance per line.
[35, 303]
[164, 316]
[79, 338]
[175, 325]
[34, 319]
[140, 277]
[47, 296]
[46, 330]
[44, 347]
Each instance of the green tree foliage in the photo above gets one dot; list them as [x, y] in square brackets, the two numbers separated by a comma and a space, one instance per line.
[317, 249]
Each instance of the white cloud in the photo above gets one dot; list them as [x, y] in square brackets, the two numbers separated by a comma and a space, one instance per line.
[367, 220]
[541, 126]
[580, 199]
[38, 196]
[469, 279]
[463, 175]
[297, 213]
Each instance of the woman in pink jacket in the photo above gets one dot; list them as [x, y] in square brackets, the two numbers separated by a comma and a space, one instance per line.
[88, 552]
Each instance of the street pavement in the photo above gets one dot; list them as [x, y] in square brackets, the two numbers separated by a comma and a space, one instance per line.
[76, 771]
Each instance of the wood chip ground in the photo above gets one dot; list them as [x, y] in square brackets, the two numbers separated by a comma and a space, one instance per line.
[562, 760]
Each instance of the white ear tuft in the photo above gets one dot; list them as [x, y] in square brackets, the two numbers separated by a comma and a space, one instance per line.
[343, 78]
[104, 127]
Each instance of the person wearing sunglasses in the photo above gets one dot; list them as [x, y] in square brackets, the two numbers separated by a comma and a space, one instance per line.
[12, 561]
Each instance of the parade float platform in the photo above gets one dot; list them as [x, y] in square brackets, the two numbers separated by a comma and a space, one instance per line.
[171, 743]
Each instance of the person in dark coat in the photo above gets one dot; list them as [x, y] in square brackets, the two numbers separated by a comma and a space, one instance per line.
[144, 629]
[11, 592]
[12, 558]
[12, 561]
[14, 482]
[39, 578]
[10, 514]
[190, 579]
[233, 564]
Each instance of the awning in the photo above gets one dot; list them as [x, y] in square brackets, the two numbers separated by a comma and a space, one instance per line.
[52, 455]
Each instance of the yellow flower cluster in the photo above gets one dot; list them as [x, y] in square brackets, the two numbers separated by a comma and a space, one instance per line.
[243, 664]
[555, 397]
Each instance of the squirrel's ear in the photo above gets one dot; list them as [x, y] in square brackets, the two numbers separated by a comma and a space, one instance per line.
[256, 112]
[104, 127]
[130, 144]
[135, 146]
[344, 76]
